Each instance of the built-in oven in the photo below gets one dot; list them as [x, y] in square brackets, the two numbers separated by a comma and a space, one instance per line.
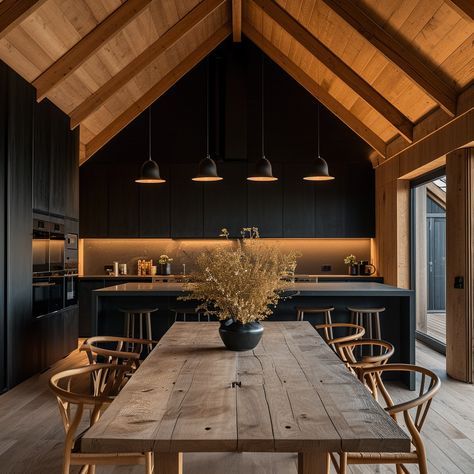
[48, 294]
[71, 262]
[56, 247]
[40, 246]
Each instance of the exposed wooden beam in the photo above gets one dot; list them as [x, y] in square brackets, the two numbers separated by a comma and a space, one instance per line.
[13, 12]
[87, 46]
[338, 67]
[401, 55]
[315, 89]
[237, 21]
[464, 7]
[157, 90]
[165, 41]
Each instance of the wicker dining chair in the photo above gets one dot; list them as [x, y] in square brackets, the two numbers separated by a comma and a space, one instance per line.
[93, 387]
[429, 386]
[354, 332]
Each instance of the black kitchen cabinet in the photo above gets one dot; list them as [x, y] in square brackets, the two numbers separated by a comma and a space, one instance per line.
[72, 175]
[21, 336]
[186, 209]
[225, 202]
[42, 156]
[3, 168]
[86, 287]
[155, 207]
[58, 163]
[265, 204]
[123, 201]
[94, 208]
[298, 202]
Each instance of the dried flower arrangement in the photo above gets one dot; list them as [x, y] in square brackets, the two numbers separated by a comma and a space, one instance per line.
[350, 260]
[164, 259]
[242, 283]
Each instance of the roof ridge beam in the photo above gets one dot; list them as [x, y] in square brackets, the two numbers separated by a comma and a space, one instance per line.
[72, 59]
[400, 55]
[323, 54]
[161, 87]
[201, 11]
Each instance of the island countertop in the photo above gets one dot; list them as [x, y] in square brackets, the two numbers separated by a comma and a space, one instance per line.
[301, 288]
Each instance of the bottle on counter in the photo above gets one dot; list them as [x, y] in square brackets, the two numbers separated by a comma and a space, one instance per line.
[116, 268]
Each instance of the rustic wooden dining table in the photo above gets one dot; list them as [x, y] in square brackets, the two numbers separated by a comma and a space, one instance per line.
[290, 394]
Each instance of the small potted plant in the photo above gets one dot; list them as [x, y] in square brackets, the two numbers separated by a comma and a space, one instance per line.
[351, 261]
[164, 263]
[240, 286]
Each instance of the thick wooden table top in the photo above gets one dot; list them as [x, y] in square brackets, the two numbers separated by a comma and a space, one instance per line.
[294, 396]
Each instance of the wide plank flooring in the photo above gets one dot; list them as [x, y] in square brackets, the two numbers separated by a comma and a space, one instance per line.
[31, 432]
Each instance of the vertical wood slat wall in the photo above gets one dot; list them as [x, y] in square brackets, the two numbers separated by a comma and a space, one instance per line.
[460, 263]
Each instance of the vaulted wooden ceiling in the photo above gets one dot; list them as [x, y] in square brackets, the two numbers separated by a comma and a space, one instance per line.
[393, 70]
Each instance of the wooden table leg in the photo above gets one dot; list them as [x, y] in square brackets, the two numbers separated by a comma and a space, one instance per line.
[313, 463]
[168, 463]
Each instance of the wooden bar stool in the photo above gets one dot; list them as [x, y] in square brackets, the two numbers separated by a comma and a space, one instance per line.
[369, 319]
[326, 311]
[187, 311]
[143, 316]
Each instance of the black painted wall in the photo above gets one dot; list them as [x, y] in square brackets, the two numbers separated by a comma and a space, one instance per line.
[113, 205]
[32, 175]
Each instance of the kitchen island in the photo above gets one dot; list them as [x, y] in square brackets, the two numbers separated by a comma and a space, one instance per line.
[397, 322]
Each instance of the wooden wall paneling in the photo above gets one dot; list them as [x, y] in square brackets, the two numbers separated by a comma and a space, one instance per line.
[332, 62]
[460, 263]
[399, 54]
[165, 41]
[157, 90]
[13, 12]
[186, 210]
[3, 230]
[315, 89]
[465, 8]
[237, 21]
[20, 324]
[225, 202]
[265, 204]
[87, 46]
[155, 207]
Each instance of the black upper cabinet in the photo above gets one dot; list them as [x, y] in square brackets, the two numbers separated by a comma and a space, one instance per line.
[3, 168]
[265, 204]
[186, 210]
[155, 207]
[225, 202]
[94, 211]
[123, 200]
[41, 156]
[298, 202]
[72, 175]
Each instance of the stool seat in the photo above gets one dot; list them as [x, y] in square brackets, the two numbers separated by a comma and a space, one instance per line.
[321, 309]
[137, 310]
[324, 310]
[365, 310]
[185, 311]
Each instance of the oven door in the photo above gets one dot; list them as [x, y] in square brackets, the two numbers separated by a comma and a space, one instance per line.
[40, 251]
[56, 253]
[41, 290]
[70, 290]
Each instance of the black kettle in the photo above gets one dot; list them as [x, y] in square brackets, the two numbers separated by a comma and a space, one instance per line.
[366, 268]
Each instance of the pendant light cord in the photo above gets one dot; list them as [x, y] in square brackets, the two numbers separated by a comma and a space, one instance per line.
[318, 128]
[207, 108]
[149, 133]
[263, 104]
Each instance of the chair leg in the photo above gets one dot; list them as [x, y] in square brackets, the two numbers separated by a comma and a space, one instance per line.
[148, 329]
[140, 323]
[378, 332]
[328, 320]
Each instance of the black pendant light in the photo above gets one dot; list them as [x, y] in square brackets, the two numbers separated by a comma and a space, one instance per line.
[263, 167]
[207, 169]
[150, 171]
[319, 168]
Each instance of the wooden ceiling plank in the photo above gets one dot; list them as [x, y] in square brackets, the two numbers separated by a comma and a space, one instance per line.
[13, 12]
[402, 56]
[338, 67]
[157, 90]
[236, 21]
[87, 46]
[315, 89]
[465, 8]
[165, 41]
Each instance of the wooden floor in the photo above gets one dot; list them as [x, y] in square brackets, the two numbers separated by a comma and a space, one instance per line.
[31, 432]
[436, 323]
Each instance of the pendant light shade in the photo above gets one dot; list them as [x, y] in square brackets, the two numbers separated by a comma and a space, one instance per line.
[263, 171]
[263, 168]
[150, 171]
[207, 170]
[319, 170]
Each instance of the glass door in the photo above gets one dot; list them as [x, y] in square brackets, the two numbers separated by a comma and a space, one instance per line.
[429, 258]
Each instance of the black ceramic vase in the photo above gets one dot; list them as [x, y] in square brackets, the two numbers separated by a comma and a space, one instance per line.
[165, 268]
[240, 337]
